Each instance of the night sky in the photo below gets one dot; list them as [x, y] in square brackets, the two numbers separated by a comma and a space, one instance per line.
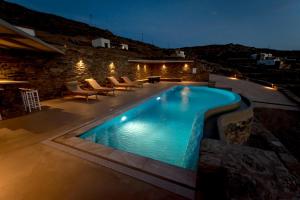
[179, 23]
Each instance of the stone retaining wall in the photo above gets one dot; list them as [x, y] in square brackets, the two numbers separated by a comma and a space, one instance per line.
[177, 70]
[235, 127]
[49, 72]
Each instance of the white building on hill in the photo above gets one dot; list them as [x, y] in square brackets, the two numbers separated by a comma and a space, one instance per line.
[267, 59]
[180, 53]
[101, 42]
[124, 46]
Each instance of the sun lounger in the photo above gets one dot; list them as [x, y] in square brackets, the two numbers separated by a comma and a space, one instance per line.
[98, 88]
[128, 81]
[116, 83]
[74, 88]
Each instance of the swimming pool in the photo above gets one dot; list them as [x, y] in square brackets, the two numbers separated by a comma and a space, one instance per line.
[167, 127]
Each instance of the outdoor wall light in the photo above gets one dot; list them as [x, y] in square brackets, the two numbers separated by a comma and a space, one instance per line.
[145, 68]
[164, 67]
[138, 67]
[80, 64]
[111, 66]
[185, 67]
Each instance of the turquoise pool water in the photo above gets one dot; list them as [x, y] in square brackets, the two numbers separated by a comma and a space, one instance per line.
[167, 127]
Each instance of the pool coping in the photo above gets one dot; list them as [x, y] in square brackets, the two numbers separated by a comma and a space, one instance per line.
[175, 179]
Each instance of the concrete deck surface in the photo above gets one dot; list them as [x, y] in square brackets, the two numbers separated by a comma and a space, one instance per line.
[32, 170]
[261, 96]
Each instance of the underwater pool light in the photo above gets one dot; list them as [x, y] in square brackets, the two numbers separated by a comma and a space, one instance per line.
[123, 118]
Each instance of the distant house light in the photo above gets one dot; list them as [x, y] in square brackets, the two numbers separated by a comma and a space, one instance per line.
[101, 42]
[124, 46]
[26, 30]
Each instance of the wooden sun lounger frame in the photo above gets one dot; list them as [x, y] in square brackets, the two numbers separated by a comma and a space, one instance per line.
[98, 88]
[135, 83]
[79, 91]
[116, 83]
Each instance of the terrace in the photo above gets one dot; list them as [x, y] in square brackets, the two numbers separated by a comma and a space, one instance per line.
[52, 171]
[34, 148]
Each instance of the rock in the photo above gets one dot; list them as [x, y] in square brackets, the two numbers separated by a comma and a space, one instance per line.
[259, 134]
[238, 133]
[249, 173]
[292, 164]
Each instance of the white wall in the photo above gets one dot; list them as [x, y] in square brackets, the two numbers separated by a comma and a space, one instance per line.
[101, 42]
[180, 54]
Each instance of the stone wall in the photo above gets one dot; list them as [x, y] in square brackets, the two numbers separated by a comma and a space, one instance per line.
[48, 72]
[235, 127]
[172, 70]
[238, 132]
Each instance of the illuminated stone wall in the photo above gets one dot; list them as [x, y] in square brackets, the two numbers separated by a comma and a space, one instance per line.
[176, 70]
[49, 72]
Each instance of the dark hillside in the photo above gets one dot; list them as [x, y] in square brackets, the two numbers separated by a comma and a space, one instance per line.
[221, 52]
[56, 25]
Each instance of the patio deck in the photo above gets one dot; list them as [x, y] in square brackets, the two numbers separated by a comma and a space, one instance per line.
[32, 170]
[260, 95]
